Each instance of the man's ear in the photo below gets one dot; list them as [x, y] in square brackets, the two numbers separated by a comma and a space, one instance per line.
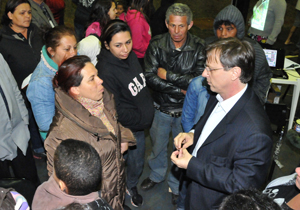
[74, 91]
[190, 25]
[63, 186]
[167, 25]
[236, 72]
[106, 45]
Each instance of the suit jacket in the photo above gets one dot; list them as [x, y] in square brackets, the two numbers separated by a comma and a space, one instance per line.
[38, 17]
[236, 155]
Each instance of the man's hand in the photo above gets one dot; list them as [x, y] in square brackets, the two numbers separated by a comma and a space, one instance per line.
[184, 139]
[124, 147]
[162, 73]
[183, 91]
[181, 158]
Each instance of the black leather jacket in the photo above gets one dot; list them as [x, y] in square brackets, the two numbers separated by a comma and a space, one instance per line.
[181, 66]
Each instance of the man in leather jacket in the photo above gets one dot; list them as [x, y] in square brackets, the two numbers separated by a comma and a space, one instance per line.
[172, 60]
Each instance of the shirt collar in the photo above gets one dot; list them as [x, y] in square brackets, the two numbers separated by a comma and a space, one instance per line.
[230, 102]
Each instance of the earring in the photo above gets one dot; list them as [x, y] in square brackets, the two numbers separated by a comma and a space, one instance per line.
[52, 56]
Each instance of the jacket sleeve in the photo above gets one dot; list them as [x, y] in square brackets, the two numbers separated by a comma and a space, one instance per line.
[137, 28]
[250, 164]
[153, 81]
[183, 80]
[127, 136]
[262, 74]
[17, 92]
[194, 104]
[279, 13]
[42, 101]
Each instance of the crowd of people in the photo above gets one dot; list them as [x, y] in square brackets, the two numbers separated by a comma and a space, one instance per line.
[84, 97]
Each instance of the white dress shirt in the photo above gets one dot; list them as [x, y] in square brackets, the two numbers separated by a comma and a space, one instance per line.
[219, 112]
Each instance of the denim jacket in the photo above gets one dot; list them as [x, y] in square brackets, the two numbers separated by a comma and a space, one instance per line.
[194, 103]
[40, 91]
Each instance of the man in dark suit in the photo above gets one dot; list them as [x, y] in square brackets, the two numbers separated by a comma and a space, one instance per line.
[231, 144]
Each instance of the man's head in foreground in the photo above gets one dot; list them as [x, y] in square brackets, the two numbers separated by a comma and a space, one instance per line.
[77, 167]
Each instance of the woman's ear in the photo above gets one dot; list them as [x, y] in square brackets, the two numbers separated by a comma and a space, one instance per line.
[9, 14]
[51, 51]
[74, 91]
[106, 45]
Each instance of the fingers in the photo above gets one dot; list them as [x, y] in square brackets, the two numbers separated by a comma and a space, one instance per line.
[174, 156]
[179, 140]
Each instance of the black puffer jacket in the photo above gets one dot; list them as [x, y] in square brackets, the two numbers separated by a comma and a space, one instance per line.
[181, 66]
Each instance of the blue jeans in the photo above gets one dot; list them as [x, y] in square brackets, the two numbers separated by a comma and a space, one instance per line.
[135, 159]
[158, 159]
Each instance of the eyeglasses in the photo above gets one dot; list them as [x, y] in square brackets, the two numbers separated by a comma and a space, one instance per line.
[209, 69]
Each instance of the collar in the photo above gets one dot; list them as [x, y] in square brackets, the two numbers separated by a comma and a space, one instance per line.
[48, 61]
[39, 5]
[230, 102]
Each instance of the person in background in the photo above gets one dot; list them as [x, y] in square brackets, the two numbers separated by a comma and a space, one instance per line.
[123, 76]
[14, 134]
[76, 177]
[60, 44]
[121, 8]
[20, 46]
[86, 111]
[102, 12]
[41, 14]
[137, 17]
[248, 199]
[230, 148]
[157, 22]
[266, 21]
[82, 14]
[283, 191]
[172, 60]
[57, 8]
[229, 22]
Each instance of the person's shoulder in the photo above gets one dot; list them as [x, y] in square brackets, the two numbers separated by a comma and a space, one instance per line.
[210, 40]
[195, 39]
[161, 38]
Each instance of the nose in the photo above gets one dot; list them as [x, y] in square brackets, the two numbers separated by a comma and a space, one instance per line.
[125, 48]
[224, 33]
[73, 52]
[99, 81]
[176, 29]
[205, 73]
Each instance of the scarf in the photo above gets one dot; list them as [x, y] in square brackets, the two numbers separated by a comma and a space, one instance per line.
[96, 108]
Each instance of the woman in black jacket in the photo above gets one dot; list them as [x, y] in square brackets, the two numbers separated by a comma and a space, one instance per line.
[21, 45]
[122, 74]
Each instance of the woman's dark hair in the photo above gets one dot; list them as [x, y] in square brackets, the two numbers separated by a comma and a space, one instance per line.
[142, 6]
[123, 3]
[11, 7]
[112, 28]
[52, 36]
[69, 73]
[100, 11]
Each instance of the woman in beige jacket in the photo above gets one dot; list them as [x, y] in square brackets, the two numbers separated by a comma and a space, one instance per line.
[86, 111]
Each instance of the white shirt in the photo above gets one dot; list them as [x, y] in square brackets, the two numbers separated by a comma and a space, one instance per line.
[219, 112]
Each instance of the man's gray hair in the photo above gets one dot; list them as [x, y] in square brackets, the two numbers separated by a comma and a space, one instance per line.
[179, 9]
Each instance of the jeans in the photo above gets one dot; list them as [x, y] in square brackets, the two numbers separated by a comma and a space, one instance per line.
[135, 159]
[158, 159]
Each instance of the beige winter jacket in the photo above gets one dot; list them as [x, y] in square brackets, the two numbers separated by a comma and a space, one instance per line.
[73, 121]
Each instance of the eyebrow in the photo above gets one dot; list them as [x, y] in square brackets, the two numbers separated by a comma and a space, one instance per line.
[121, 42]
